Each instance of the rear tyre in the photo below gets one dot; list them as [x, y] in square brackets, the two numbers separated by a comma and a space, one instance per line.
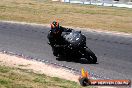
[90, 56]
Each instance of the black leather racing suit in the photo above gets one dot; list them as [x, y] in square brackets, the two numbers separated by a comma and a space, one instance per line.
[56, 40]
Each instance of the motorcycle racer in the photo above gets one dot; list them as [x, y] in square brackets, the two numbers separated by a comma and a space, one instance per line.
[54, 36]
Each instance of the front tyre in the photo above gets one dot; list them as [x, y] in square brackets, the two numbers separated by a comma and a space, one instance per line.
[90, 56]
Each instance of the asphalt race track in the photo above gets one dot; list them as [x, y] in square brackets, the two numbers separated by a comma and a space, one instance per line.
[114, 52]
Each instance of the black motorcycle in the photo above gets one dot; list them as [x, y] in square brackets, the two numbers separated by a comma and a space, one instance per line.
[75, 47]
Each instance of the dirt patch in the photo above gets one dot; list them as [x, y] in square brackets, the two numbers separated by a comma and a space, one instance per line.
[37, 67]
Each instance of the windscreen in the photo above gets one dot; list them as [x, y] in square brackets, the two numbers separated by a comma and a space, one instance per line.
[73, 37]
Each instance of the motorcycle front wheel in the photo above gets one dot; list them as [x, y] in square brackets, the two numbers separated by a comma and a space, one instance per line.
[90, 56]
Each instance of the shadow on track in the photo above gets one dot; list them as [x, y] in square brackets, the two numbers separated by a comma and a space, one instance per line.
[75, 60]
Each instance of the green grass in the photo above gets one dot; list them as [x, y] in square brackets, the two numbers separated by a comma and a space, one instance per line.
[21, 78]
[77, 15]
[4, 70]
